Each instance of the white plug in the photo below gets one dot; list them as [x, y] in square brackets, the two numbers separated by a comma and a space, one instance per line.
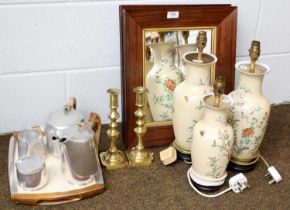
[168, 155]
[238, 183]
[273, 175]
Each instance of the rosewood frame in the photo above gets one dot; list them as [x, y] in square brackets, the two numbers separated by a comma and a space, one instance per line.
[134, 19]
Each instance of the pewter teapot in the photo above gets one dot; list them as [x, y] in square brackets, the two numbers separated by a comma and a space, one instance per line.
[78, 147]
[57, 122]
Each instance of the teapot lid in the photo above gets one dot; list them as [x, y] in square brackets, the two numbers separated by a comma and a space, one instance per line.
[65, 118]
[82, 131]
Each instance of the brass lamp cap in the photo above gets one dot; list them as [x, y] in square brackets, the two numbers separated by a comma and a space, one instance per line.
[255, 50]
[201, 40]
[218, 89]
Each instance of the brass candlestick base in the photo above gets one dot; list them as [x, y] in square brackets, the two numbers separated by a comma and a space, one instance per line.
[139, 156]
[113, 158]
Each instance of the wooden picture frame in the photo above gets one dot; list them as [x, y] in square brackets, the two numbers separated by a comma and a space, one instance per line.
[134, 19]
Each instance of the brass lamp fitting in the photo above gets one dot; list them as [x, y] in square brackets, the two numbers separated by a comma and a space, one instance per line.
[218, 89]
[201, 40]
[185, 35]
[161, 36]
[113, 158]
[148, 53]
[254, 53]
[138, 155]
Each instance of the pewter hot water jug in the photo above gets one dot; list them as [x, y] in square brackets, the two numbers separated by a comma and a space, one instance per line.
[78, 151]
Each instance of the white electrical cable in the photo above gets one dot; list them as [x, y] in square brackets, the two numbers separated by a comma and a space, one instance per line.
[203, 194]
[265, 162]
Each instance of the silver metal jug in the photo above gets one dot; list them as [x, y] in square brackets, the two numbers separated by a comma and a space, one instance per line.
[78, 148]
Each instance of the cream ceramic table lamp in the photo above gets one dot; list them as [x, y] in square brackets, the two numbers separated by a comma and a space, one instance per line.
[250, 112]
[212, 141]
[187, 96]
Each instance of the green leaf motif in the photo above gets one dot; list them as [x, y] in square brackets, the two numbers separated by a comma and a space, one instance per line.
[213, 166]
[165, 116]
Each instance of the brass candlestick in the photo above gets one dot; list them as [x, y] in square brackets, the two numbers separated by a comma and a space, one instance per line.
[185, 35]
[113, 158]
[139, 156]
[218, 89]
[200, 43]
[254, 53]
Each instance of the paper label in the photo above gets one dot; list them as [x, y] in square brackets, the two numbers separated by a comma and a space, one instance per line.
[172, 14]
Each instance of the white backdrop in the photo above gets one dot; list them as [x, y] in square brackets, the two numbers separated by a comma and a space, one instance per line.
[53, 49]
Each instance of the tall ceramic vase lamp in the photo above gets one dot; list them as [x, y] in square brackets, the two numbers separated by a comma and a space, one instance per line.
[182, 49]
[161, 80]
[212, 141]
[187, 104]
[250, 112]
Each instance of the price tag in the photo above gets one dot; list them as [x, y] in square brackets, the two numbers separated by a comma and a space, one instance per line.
[172, 14]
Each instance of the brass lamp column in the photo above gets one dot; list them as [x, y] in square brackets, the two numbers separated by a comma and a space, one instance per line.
[113, 158]
[139, 156]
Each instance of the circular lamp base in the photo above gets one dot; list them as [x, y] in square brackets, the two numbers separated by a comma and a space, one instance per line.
[182, 154]
[203, 188]
[241, 168]
[184, 157]
[204, 184]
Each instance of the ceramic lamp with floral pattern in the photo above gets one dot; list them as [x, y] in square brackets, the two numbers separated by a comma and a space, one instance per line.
[187, 100]
[250, 115]
[161, 81]
[212, 143]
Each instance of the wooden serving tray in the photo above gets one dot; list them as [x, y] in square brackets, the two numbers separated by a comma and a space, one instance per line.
[57, 190]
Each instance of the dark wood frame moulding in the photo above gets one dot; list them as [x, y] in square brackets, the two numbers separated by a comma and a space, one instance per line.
[134, 19]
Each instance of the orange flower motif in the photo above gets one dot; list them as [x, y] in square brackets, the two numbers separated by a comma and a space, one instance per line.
[170, 84]
[247, 132]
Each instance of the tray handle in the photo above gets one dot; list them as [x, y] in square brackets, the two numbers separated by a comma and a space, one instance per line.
[58, 201]
[43, 199]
